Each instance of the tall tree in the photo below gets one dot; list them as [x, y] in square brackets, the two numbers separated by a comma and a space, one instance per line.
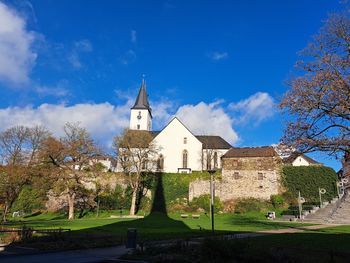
[19, 149]
[319, 98]
[137, 154]
[70, 157]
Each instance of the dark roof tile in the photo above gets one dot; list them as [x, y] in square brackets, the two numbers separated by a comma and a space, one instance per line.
[142, 99]
[264, 151]
[213, 142]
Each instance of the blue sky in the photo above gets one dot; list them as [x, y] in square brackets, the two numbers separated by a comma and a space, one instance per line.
[218, 65]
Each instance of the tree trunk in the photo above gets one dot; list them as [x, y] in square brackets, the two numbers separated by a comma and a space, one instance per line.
[133, 202]
[71, 198]
[5, 212]
[98, 207]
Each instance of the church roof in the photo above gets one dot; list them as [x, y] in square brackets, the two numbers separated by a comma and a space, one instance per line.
[142, 99]
[213, 142]
[136, 139]
[295, 155]
[264, 151]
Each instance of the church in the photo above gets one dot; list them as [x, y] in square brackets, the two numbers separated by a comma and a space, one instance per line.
[181, 151]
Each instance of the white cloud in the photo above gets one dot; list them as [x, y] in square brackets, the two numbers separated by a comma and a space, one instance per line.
[105, 120]
[17, 56]
[81, 46]
[217, 56]
[58, 90]
[254, 109]
[133, 36]
[102, 120]
[208, 119]
[162, 112]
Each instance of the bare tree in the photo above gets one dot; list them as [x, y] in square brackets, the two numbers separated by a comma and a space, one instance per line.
[70, 158]
[19, 148]
[319, 98]
[136, 155]
[209, 156]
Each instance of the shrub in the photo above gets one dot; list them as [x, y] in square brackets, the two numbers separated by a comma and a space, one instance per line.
[277, 201]
[289, 198]
[229, 205]
[178, 205]
[119, 198]
[203, 202]
[29, 199]
[245, 205]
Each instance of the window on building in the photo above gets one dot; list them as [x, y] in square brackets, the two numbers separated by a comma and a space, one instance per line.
[260, 176]
[185, 140]
[144, 163]
[234, 163]
[258, 162]
[184, 159]
[138, 126]
[236, 175]
[160, 162]
[208, 161]
[215, 160]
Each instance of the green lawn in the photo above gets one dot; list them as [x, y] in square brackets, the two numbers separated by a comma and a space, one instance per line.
[155, 226]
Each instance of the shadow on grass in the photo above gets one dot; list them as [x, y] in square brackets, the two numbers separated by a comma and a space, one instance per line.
[157, 225]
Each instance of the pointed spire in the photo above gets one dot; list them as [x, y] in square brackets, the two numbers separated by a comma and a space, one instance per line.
[142, 98]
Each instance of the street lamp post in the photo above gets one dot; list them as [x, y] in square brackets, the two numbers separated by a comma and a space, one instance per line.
[212, 193]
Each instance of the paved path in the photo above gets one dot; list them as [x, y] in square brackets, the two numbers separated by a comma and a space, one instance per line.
[297, 229]
[76, 256]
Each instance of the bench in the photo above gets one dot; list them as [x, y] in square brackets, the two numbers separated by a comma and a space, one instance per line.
[184, 216]
[195, 216]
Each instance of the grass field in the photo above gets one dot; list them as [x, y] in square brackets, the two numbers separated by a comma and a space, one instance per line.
[158, 226]
[155, 225]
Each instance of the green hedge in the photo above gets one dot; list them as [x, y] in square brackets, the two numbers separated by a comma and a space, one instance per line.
[308, 179]
[176, 185]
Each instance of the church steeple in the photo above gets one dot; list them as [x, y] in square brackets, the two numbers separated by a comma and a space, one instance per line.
[141, 112]
[142, 99]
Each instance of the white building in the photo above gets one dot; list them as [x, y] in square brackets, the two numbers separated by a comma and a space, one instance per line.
[180, 150]
[299, 159]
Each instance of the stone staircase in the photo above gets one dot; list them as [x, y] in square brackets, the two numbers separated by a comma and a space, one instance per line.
[342, 213]
[321, 215]
[336, 212]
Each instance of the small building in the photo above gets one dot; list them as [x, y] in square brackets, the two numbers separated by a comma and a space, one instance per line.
[251, 172]
[300, 159]
[246, 173]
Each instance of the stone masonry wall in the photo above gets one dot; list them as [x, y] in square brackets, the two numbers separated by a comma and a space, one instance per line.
[257, 177]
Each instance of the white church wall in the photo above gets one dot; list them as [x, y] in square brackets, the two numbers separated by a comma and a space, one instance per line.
[210, 152]
[172, 143]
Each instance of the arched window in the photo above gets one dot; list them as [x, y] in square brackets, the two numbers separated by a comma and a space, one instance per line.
[160, 162]
[184, 159]
[215, 160]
